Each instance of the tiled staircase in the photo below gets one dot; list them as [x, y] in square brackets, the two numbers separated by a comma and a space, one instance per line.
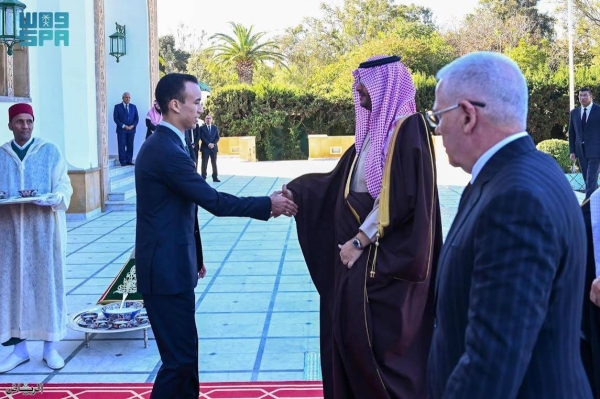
[122, 187]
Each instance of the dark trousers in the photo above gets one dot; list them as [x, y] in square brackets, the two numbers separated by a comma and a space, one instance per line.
[590, 168]
[213, 162]
[125, 142]
[326, 346]
[174, 327]
[588, 363]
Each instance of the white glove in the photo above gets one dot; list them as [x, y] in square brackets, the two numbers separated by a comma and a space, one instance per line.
[50, 200]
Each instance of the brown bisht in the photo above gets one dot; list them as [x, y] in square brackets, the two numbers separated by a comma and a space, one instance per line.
[377, 317]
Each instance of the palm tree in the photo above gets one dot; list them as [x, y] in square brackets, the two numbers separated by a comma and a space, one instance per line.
[245, 50]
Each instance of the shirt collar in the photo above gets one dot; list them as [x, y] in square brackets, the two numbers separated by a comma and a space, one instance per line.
[24, 145]
[490, 153]
[179, 133]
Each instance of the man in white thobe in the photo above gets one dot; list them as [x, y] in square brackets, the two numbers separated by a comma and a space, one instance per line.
[34, 239]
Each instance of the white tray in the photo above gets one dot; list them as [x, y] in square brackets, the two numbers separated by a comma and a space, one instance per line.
[75, 319]
[22, 200]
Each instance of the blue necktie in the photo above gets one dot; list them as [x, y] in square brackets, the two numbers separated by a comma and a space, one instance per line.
[584, 119]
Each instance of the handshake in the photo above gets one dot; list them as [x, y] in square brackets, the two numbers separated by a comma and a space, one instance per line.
[282, 203]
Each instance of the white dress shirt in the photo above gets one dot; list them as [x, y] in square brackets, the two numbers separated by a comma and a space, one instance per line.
[24, 145]
[587, 115]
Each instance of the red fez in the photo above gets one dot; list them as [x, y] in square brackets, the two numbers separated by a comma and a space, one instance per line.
[20, 108]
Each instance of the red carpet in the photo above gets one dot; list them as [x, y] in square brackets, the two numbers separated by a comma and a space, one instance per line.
[209, 390]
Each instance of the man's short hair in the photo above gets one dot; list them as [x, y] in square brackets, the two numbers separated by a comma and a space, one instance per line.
[493, 79]
[172, 87]
[586, 89]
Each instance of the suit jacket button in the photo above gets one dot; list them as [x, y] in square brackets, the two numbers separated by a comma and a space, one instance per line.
[435, 322]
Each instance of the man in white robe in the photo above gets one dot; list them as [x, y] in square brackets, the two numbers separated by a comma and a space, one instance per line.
[34, 239]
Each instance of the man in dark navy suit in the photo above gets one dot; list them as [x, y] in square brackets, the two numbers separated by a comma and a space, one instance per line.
[511, 272]
[584, 139]
[209, 136]
[168, 248]
[126, 118]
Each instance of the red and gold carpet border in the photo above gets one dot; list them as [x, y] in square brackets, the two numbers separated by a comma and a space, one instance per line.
[209, 390]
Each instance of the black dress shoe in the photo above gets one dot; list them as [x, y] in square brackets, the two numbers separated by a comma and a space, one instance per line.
[130, 163]
[216, 181]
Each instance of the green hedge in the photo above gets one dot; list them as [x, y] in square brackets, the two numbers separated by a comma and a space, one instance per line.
[559, 150]
[281, 117]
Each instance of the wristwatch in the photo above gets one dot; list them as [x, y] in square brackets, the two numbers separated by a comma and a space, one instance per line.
[356, 243]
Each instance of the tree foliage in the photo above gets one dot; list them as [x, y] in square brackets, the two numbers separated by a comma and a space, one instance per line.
[590, 9]
[245, 50]
[174, 58]
[486, 31]
[542, 24]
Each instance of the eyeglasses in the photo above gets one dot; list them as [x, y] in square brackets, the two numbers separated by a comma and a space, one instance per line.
[432, 116]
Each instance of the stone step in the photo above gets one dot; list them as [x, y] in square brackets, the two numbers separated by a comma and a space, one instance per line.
[122, 193]
[122, 187]
[121, 206]
[114, 171]
[117, 183]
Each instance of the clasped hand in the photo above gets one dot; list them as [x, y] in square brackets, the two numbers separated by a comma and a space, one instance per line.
[282, 203]
[349, 254]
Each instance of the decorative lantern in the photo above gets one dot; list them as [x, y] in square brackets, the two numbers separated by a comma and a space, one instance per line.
[118, 46]
[11, 15]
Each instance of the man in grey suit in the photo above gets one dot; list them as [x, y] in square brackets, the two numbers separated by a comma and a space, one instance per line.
[584, 139]
[510, 276]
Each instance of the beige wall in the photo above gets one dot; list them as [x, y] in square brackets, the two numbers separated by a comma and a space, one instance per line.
[244, 147]
[86, 191]
[321, 146]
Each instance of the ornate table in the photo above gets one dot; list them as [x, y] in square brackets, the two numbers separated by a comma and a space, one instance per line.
[103, 326]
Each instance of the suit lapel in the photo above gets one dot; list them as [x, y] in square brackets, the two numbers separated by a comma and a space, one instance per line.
[592, 111]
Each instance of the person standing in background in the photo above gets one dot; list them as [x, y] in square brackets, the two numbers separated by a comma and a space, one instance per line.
[209, 136]
[584, 139]
[153, 118]
[126, 118]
